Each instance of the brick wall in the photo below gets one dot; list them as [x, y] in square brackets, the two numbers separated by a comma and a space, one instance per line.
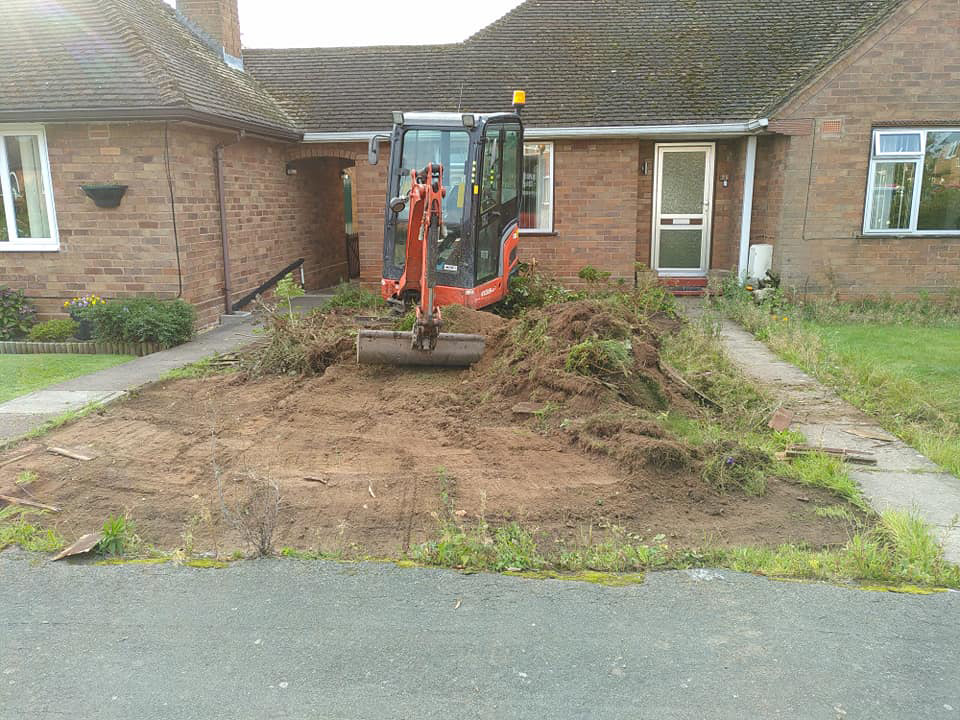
[602, 213]
[595, 208]
[908, 73]
[768, 188]
[595, 211]
[602, 207]
[116, 252]
[273, 218]
[727, 203]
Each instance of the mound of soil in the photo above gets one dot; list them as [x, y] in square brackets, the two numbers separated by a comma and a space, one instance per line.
[459, 319]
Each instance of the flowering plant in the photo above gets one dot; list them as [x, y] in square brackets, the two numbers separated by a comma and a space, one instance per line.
[17, 315]
[76, 306]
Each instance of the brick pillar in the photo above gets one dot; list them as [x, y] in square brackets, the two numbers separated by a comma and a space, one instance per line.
[218, 18]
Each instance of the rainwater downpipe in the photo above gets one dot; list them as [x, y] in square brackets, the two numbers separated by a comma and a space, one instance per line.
[749, 172]
[224, 239]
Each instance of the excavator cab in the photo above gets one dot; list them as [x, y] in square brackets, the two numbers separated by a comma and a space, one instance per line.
[451, 228]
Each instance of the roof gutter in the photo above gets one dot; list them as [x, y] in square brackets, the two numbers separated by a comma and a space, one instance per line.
[750, 127]
[148, 114]
[705, 130]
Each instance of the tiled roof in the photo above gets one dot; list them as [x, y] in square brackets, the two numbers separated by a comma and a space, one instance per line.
[108, 59]
[582, 63]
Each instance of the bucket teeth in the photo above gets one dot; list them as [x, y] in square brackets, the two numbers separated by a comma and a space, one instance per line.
[388, 347]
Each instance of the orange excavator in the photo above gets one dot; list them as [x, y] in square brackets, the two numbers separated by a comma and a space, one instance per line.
[451, 228]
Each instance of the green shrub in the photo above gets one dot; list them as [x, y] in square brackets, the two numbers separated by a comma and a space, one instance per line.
[530, 288]
[17, 315]
[165, 322]
[350, 295]
[118, 536]
[287, 290]
[56, 330]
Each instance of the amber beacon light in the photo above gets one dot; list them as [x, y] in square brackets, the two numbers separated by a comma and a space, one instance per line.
[519, 99]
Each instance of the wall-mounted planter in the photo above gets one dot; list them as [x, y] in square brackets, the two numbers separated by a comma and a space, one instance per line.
[75, 347]
[105, 196]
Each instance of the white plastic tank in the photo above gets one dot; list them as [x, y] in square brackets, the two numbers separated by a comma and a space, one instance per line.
[759, 261]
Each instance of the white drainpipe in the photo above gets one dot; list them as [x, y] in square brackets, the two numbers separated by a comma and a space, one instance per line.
[748, 174]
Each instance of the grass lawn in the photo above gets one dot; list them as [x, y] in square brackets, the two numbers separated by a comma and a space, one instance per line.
[900, 363]
[21, 374]
[929, 355]
[909, 377]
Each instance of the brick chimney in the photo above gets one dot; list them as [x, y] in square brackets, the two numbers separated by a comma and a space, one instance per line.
[217, 18]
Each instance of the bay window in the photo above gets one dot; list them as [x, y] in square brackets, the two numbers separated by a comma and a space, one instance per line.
[914, 182]
[536, 201]
[27, 220]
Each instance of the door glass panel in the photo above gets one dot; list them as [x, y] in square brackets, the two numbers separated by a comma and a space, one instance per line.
[347, 204]
[680, 249]
[892, 195]
[511, 164]
[940, 187]
[26, 186]
[682, 183]
[449, 149]
[490, 177]
[488, 237]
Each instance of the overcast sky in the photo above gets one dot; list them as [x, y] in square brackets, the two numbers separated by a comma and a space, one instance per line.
[330, 23]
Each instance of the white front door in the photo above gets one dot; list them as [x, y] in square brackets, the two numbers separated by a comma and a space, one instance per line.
[682, 198]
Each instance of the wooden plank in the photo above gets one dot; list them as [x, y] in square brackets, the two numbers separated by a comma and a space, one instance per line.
[28, 503]
[528, 408]
[84, 544]
[16, 458]
[854, 456]
[68, 453]
[677, 378]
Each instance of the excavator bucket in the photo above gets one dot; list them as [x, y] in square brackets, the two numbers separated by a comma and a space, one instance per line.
[391, 347]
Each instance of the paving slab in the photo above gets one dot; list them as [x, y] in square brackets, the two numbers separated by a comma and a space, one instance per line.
[22, 415]
[56, 402]
[902, 479]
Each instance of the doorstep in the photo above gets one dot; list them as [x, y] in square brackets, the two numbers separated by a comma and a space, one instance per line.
[692, 286]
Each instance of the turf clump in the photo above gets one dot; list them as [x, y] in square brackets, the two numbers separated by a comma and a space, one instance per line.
[300, 345]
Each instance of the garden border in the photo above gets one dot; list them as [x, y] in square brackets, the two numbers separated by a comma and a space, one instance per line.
[77, 347]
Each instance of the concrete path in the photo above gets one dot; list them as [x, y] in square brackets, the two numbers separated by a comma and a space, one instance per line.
[28, 412]
[290, 639]
[902, 478]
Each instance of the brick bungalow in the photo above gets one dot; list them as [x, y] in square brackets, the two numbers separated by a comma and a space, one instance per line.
[673, 134]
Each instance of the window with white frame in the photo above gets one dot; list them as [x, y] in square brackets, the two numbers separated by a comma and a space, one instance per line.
[27, 219]
[536, 201]
[914, 182]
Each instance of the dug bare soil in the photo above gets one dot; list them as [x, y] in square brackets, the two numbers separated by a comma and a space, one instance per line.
[374, 458]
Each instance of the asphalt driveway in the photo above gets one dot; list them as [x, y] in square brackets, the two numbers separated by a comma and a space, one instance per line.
[295, 639]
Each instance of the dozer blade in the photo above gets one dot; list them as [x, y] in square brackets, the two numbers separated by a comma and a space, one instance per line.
[391, 347]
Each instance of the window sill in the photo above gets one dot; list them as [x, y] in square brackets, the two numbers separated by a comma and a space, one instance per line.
[29, 247]
[908, 235]
[538, 233]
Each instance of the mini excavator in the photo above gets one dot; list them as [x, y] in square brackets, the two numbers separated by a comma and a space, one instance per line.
[451, 228]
